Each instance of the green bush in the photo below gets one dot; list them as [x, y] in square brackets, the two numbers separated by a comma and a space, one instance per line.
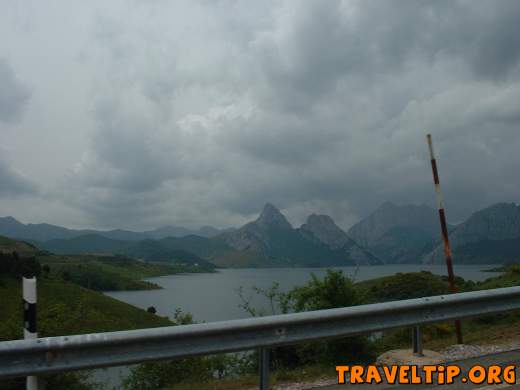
[157, 375]
[334, 290]
[405, 286]
[13, 264]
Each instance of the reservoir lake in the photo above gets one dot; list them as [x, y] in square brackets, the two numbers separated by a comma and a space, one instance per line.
[214, 296]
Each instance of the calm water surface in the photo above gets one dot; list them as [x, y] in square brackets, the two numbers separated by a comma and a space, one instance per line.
[214, 297]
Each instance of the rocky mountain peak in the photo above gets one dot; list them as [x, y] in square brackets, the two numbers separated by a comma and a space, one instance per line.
[271, 216]
[326, 230]
[324, 223]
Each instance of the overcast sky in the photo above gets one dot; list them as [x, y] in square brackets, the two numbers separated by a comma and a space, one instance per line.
[137, 114]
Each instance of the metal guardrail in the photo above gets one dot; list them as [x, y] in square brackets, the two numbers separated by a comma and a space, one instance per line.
[64, 353]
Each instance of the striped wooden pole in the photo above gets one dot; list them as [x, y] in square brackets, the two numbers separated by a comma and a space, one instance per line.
[444, 230]
[29, 320]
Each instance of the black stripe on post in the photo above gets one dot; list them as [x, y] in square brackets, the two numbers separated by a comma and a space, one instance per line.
[435, 172]
[29, 316]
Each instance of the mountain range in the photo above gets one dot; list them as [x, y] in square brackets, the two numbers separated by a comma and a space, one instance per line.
[390, 234]
[10, 227]
[271, 240]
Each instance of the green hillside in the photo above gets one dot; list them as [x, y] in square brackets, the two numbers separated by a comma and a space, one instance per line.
[65, 308]
[509, 278]
[8, 245]
[149, 250]
[88, 243]
[410, 285]
[207, 248]
[153, 250]
[107, 273]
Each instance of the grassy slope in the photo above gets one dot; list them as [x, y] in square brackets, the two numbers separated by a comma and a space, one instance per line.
[147, 249]
[8, 246]
[104, 273]
[66, 308]
[511, 277]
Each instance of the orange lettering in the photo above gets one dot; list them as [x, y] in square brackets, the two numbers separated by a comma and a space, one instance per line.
[390, 375]
[341, 373]
[452, 372]
[356, 373]
[429, 370]
[416, 378]
[373, 375]
[494, 375]
[403, 374]
[477, 374]
[510, 375]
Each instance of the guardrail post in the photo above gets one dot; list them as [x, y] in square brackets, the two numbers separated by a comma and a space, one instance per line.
[417, 341]
[263, 357]
[29, 323]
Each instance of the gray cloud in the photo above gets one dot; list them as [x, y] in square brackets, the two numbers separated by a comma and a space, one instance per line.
[13, 94]
[14, 184]
[203, 111]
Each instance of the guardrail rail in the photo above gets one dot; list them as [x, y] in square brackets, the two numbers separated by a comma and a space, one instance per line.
[55, 354]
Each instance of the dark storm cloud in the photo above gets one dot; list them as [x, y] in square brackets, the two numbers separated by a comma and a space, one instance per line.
[14, 95]
[203, 111]
[330, 102]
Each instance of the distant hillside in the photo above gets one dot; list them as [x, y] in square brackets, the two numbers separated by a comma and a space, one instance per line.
[491, 235]
[88, 243]
[101, 272]
[8, 245]
[150, 250]
[207, 248]
[12, 228]
[177, 231]
[398, 234]
[153, 250]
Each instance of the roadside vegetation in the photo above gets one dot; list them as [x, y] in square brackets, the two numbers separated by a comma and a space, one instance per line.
[313, 361]
[68, 304]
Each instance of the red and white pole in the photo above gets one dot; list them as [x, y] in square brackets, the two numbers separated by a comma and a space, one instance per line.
[444, 230]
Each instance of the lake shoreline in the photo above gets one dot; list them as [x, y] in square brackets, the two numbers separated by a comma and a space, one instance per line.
[213, 296]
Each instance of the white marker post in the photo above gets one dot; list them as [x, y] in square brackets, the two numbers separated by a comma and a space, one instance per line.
[29, 320]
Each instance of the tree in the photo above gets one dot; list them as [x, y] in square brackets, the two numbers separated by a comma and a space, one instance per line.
[12, 264]
[333, 291]
[158, 375]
